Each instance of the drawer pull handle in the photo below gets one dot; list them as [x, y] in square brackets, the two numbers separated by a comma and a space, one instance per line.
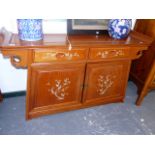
[60, 55]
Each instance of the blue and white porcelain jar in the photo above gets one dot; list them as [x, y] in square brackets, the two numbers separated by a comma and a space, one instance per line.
[30, 29]
[119, 28]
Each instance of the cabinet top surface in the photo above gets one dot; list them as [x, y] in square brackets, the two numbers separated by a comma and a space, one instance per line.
[53, 40]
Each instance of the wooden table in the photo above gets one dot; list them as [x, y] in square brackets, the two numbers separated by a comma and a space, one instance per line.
[73, 72]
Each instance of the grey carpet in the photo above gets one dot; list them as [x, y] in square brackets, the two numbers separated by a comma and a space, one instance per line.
[100, 120]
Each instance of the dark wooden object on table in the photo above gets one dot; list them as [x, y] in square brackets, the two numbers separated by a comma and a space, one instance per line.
[73, 72]
[143, 69]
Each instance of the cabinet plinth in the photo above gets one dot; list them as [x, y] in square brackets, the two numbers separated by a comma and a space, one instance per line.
[82, 72]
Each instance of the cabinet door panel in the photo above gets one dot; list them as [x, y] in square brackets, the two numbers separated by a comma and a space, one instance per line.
[56, 84]
[105, 81]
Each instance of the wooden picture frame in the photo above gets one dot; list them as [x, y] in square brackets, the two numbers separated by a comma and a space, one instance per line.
[87, 26]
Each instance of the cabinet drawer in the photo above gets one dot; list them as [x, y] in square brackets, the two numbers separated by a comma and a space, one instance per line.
[102, 53]
[47, 55]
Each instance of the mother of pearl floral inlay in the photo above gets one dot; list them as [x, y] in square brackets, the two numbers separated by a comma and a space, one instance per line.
[104, 82]
[115, 53]
[60, 88]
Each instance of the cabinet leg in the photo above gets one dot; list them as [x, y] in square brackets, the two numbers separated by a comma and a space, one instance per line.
[146, 85]
[140, 98]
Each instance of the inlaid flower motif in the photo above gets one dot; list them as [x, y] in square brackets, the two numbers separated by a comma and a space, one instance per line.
[104, 82]
[60, 88]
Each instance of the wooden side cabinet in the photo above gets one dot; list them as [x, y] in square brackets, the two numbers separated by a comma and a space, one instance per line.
[73, 72]
[143, 69]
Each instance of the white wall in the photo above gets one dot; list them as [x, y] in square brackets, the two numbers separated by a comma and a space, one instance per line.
[12, 79]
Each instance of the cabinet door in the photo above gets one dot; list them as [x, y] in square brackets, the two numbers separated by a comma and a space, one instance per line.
[56, 85]
[105, 81]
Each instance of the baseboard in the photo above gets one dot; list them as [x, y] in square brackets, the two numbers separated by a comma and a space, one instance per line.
[14, 94]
